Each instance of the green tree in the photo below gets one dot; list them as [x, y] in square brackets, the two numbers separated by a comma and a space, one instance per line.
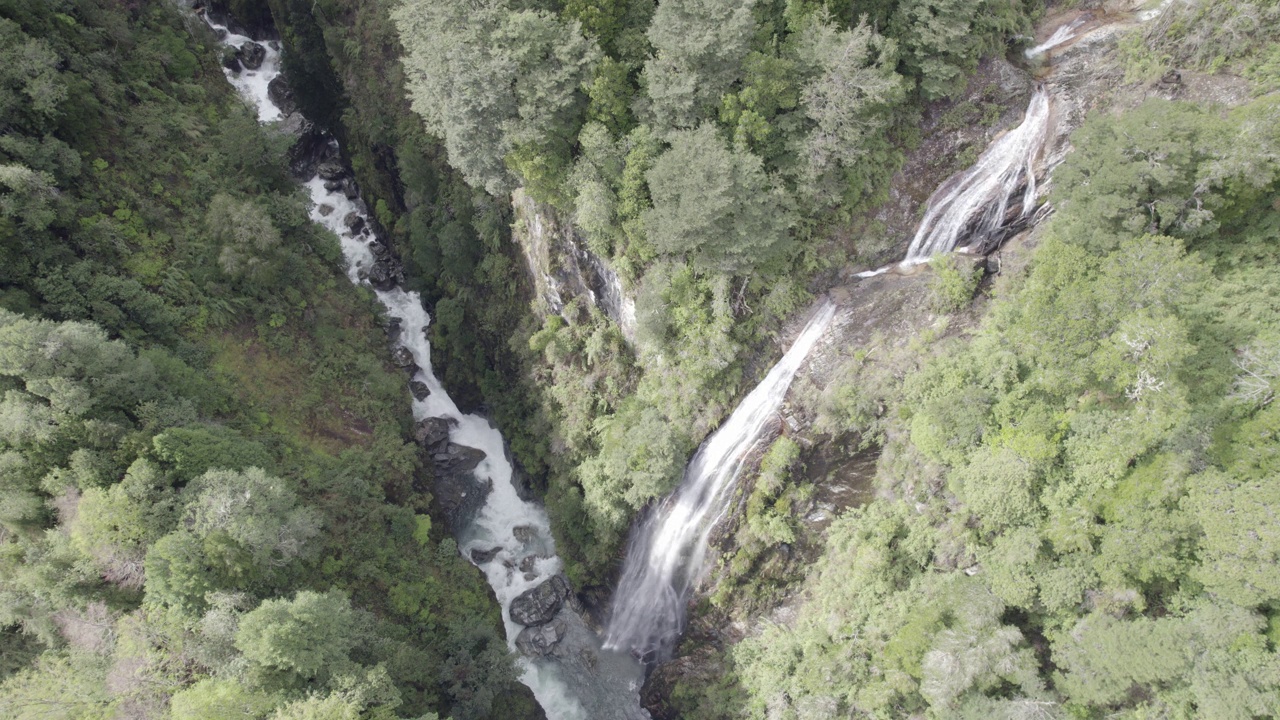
[257, 511]
[220, 700]
[716, 204]
[1236, 509]
[850, 98]
[641, 458]
[942, 39]
[310, 635]
[33, 87]
[699, 47]
[1137, 173]
[61, 686]
[316, 707]
[489, 80]
[249, 240]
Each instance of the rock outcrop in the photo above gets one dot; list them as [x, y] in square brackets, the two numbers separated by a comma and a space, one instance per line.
[542, 640]
[281, 94]
[539, 605]
[563, 267]
[251, 55]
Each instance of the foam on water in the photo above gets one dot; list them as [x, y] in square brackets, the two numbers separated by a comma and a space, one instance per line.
[1064, 34]
[252, 84]
[596, 684]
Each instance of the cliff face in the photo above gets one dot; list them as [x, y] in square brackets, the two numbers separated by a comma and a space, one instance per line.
[562, 267]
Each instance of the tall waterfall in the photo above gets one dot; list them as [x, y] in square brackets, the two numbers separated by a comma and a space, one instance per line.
[668, 546]
[974, 203]
[580, 681]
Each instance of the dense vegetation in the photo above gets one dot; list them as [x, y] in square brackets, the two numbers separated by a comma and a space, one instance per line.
[1076, 513]
[710, 150]
[207, 505]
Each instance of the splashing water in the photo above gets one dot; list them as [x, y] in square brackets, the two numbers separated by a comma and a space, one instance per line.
[974, 202]
[668, 546]
[252, 84]
[1064, 34]
[582, 683]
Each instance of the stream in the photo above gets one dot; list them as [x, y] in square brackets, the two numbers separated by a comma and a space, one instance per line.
[508, 538]
[571, 672]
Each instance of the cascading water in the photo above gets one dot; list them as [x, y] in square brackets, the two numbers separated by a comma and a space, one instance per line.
[668, 547]
[974, 202]
[576, 679]
[1062, 35]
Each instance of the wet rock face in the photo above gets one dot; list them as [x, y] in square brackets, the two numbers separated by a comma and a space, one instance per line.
[353, 222]
[230, 59]
[457, 492]
[251, 55]
[312, 148]
[457, 459]
[480, 557]
[384, 275]
[282, 95]
[539, 605]
[402, 357]
[542, 640]
[330, 170]
[432, 433]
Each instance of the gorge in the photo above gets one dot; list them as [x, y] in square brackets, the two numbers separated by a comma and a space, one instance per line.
[695, 359]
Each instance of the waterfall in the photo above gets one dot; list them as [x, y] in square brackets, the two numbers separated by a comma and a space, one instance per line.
[1064, 34]
[975, 202]
[577, 680]
[668, 547]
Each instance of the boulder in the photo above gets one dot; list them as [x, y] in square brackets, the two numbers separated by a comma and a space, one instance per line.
[230, 61]
[457, 459]
[457, 491]
[330, 170]
[539, 605]
[402, 357]
[378, 249]
[527, 563]
[325, 210]
[394, 328]
[419, 389]
[251, 55]
[333, 185]
[524, 533]
[310, 150]
[432, 433]
[383, 275]
[349, 188]
[354, 222]
[480, 557]
[459, 497]
[281, 95]
[541, 641]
